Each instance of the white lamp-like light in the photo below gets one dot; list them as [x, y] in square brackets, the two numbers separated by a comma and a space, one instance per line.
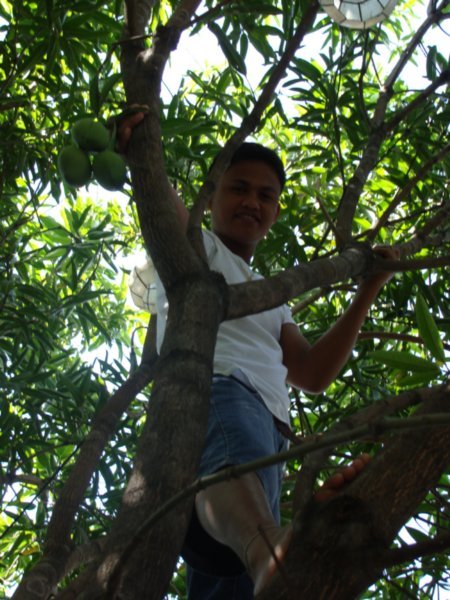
[358, 14]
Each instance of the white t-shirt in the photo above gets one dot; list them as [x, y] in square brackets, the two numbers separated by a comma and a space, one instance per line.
[249, 344]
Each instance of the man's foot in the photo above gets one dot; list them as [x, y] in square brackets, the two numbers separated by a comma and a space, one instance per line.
[336, 482]
[265, 552]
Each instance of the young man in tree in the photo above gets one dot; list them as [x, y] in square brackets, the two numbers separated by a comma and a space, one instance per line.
[235, 532]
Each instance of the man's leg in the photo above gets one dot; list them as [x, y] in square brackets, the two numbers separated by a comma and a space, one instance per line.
[236, 513]
[240, 429]
[201, 586]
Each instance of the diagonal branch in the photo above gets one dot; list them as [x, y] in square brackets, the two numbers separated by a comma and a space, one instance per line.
[420, 238]
[103, 427]
[406, 190]
[387, 89]
[420, 99]
[256, 296]
[250, 122]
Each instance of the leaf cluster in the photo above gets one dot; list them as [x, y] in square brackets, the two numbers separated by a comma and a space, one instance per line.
[66, 330]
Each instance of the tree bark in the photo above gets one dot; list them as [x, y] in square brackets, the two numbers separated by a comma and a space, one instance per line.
[340, 547]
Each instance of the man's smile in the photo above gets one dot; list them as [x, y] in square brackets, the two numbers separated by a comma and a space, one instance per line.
[248, 216]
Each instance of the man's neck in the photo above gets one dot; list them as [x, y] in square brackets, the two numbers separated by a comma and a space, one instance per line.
[244, 251]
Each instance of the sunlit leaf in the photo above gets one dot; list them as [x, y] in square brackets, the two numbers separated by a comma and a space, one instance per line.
[428, 329]
[401, 360]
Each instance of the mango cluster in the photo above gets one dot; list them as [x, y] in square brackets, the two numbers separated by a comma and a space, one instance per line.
[90, 155]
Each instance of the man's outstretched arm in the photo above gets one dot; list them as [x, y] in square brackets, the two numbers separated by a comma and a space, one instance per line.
[314, 367]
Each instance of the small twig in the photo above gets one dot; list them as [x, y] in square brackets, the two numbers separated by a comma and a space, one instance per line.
[414, 264]
[443, 78]
[207, 15]
[339, 239]
[299, 306]
[406, 190]
[389, 335]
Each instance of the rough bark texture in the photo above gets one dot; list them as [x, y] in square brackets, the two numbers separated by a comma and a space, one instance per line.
[168, 455]
[340, 547]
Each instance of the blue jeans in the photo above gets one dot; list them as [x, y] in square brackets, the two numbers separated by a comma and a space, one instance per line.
[210, 587]
[240, 429]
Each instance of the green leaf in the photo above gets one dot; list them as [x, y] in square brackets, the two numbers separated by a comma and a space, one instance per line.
[65, 322]
[401, 360]
[107, 85]
[417, 534]
[431, 63]
[428, 329]
[417, 379]
[231, 54]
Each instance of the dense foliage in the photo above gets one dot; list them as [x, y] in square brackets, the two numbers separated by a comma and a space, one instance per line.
[68, 333]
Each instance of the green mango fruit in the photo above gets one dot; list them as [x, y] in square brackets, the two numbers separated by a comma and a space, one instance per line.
[90, 135]
[110, 170]
[74, 166]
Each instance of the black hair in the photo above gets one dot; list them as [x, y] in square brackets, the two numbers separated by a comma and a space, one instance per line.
[254, 151]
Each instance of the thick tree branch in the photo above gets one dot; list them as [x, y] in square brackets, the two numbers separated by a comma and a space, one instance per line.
[137, 15]
[346, 538]
[256, 296]
[315, 461]
[419, 461]
[170, 445]
[84, 555]
[182, 383]
[142, 73]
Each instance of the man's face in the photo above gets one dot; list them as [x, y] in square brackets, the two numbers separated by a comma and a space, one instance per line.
[245, 204]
